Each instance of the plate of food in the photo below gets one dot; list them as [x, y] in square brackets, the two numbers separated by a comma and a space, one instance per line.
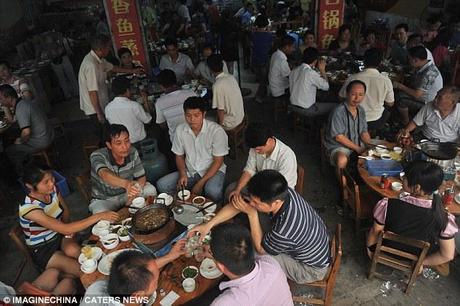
[189, 216]
[106, 262]
[88, 252]
[209, 270]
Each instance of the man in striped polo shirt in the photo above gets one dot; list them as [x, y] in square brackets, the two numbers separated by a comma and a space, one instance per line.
[117, 173]
[298, 239]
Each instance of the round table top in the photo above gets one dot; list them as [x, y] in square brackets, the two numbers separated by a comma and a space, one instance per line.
[373, 182]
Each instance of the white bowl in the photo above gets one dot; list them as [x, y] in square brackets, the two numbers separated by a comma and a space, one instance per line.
[396, 186]
[110, 245]
[211, 208]
[123, 238]
[189, 284]
[381, 149]
[185, 196]
[199, 200]
[97, 254]
[191, 267]
[102, 225]
[167, 198]
[385, 156]
[137, 202]
[398, 150]
[88, 266]
[127, 223]
[100, 233]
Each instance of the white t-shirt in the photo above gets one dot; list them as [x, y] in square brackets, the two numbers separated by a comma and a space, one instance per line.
[282, 159]
[92, 77]
[180, 67]
[170, 109]
[379, 90]
[200, 150]
[226, 96]
[279, 73]
[303, 82]
[129, 113]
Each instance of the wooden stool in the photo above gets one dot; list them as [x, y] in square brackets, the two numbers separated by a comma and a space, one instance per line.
[328, 283]
[89, 146]
[279, 106]
[45, 154]
[59, 130]
[236, 138]
[306, 124]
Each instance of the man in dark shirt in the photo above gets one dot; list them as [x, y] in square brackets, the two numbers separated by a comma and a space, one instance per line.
[36, 132]
[298, 239]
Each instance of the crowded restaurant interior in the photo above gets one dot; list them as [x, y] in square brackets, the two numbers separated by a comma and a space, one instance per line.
[229, 152]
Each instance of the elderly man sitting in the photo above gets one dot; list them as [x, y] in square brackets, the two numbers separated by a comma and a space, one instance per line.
[439, 119]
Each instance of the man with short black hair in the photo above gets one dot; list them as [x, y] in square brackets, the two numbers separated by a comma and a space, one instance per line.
[226, 97]
[117, 173]
[133, 276]
[122, 110]
[170, 106]
[423, 87]
[398, 48]
[278, 75]
[200, 147]
[346, 131]
[298, 239]
[177, 61]
[416, 39]
[303, 83]
[92, 78]
[265, 152]
[379, 91]
[254, 280]
[36, 132]
[202, 71]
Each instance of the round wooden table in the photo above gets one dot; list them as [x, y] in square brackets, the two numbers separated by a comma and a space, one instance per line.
[373, 182]
[170, 276]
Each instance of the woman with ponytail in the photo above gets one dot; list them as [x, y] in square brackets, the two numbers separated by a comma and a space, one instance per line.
[418, 214]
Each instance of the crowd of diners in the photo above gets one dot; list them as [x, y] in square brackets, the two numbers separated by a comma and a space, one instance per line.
[274, 234]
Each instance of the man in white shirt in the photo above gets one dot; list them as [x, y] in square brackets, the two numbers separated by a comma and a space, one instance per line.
[303, 83]
[170, 106]
[266, 152]
[226, 97]
[122, 110]
[202, 71]
[279, 68]
[178, 62]
[183, 11]
[439, 119]
[92, 80]
[379, 91]
[200, 147]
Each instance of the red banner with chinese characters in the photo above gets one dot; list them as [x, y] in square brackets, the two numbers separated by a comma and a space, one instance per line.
[330, 18]
[126, 31]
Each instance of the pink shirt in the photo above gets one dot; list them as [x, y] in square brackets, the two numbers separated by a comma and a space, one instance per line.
[380, 213]
[265, 285]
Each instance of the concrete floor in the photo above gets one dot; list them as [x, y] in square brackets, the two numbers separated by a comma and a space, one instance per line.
[352, 287]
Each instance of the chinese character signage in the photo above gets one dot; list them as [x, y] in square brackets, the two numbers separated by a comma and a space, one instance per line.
[330, 18]
[125, 27]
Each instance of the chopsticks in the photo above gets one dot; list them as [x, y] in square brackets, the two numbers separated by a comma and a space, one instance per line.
[207, 206]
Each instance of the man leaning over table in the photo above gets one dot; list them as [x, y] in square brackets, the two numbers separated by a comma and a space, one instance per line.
[133, 275]
[266, 152]
[298, 239]
[92, 78]
[255, 280]
[346, 131]
[117, 173]
[200, 147]
[439, 119]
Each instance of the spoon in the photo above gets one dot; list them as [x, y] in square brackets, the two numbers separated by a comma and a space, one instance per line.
[366, 157]
[178, 209]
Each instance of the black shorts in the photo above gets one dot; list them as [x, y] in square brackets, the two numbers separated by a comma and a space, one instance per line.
[42, 253]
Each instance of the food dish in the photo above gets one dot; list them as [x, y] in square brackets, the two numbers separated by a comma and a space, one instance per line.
[208, 269]
[189, 216]
[190, 272]
[96, 254]
[110, 241]
[211, 208]
[457, 198]
[199, 200]
[151, 219]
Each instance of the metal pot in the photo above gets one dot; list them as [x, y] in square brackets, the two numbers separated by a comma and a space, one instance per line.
[439, 150]
[142, 231]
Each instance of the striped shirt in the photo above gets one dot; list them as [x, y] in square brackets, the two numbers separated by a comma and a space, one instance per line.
[35, 233]
[299, 232]
[131, 169]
